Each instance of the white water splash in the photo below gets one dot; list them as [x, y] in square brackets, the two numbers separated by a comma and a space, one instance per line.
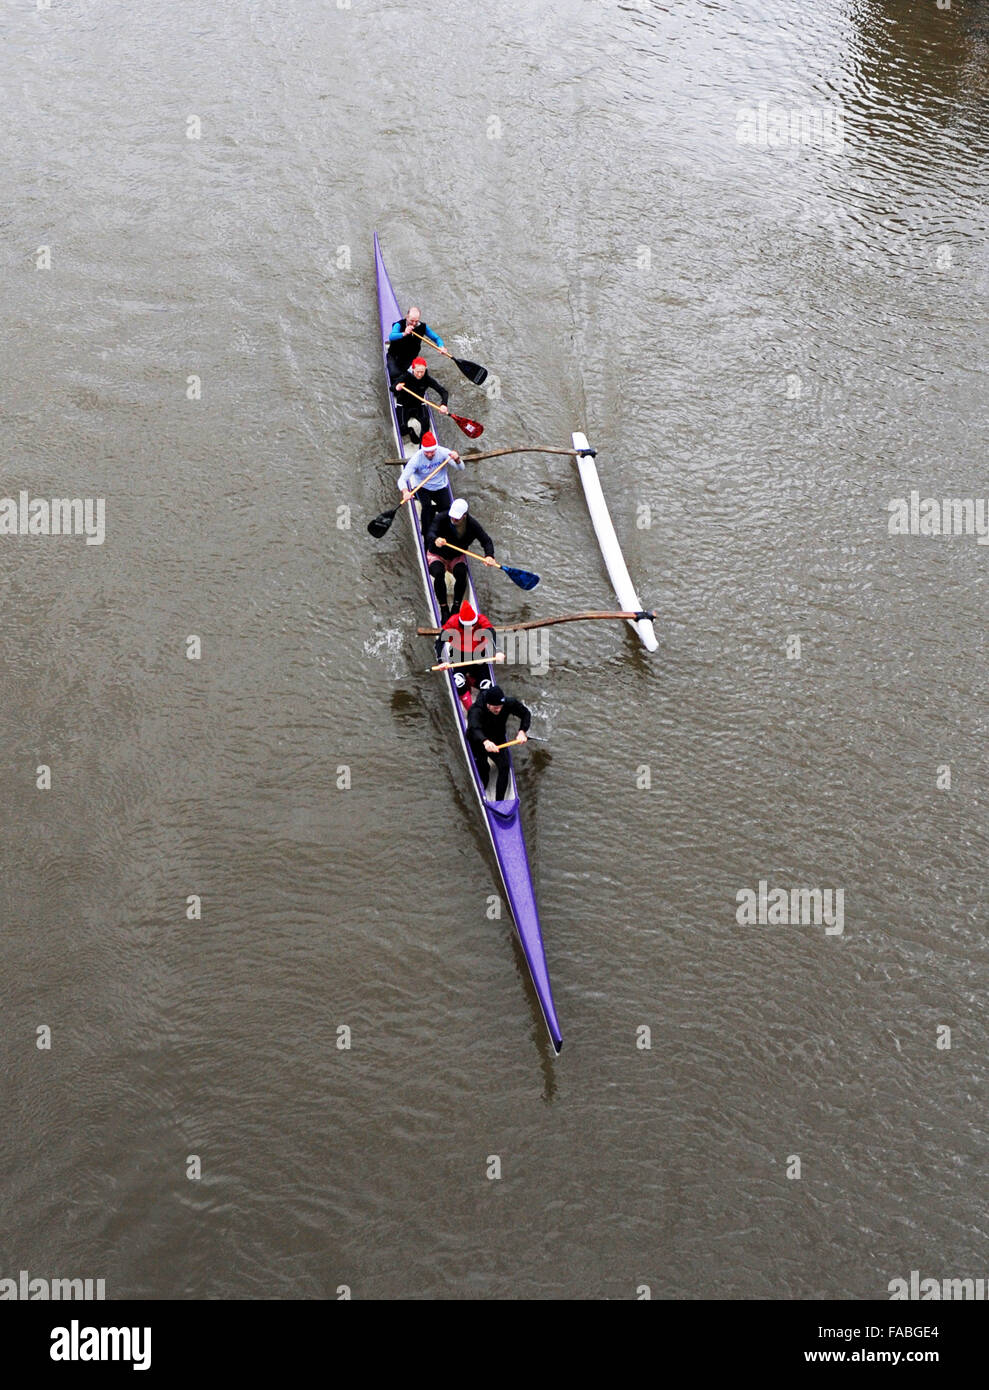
[386, 645]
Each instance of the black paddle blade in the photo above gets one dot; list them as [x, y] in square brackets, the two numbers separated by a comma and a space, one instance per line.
[525, 579]
[381, 523]
[473, 371]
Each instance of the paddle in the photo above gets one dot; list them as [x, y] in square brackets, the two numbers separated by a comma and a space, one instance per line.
[511, 743]
[469, 427]
[548, 622]
[382, 522]
[525, 579]
[472, 370]
[476, 661]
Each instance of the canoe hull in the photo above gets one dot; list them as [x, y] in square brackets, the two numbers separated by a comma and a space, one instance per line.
[502, 819]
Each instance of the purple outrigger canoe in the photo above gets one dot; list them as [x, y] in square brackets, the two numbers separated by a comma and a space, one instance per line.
[502, 818]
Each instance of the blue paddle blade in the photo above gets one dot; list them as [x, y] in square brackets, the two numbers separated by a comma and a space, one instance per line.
[522, 578]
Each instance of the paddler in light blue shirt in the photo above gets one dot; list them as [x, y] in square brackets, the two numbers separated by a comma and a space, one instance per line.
[433, 495]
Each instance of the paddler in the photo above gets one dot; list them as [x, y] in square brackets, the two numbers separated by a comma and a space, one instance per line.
[471, 635]
[454, 527]
[486, 724]
[412, 413]
[403, 345]
[433, 494]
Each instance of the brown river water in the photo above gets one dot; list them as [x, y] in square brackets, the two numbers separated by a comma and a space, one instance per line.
[743, 246]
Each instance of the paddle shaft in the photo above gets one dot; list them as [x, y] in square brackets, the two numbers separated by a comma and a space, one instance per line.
[470, 427]
[423, 339]
[381, 524]
[407, 392]
[548, 622]
[448, 545]
[477, 661]
[473, 371]
[423, 483]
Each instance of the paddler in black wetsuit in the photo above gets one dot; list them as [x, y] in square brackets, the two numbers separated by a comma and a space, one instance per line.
[457, 528]
[412, 413]
[403, 345]
[486, 723]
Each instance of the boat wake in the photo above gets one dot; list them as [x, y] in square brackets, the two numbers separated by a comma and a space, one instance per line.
[387, 645]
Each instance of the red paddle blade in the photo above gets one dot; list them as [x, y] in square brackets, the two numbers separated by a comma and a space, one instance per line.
[471, 428]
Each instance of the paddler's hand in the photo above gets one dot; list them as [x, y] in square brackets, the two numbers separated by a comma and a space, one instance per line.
[440, 541]
[490, 747]
[445, 351]
[406, 495]
[520, 737]
[399, 386]
[454, 455]
[442, 410]
[491, 562]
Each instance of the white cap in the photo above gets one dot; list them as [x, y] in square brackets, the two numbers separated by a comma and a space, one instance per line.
[458, 508]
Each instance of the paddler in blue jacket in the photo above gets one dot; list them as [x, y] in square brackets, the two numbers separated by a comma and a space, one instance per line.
[403, 345]
[432, 495]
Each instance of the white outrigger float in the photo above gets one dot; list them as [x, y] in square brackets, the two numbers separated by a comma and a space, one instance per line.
[614, 560]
